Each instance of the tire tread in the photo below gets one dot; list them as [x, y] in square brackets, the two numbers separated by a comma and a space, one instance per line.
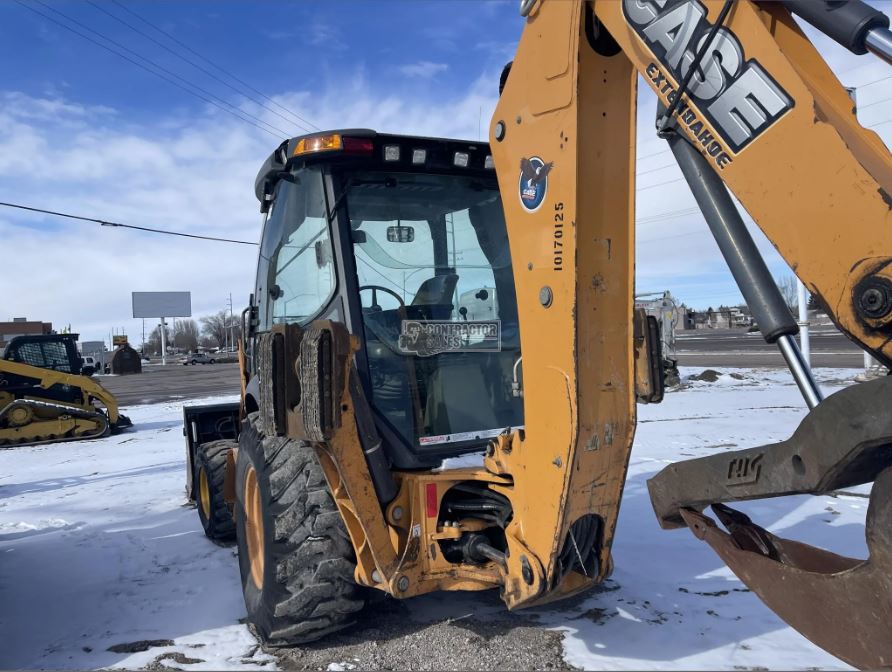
[212, 456]
[313, 592]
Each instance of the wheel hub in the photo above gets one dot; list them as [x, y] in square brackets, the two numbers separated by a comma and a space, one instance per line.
[254, 527]
[204, 493]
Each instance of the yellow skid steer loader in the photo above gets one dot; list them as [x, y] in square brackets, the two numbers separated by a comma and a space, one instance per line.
[45, 399]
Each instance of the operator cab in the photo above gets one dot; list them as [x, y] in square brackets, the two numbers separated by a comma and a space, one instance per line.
[402, 239]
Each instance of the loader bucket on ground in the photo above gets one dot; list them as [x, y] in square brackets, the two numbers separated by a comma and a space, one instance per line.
[123, 423]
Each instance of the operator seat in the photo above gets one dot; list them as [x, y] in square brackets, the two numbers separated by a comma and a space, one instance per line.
[433, 300]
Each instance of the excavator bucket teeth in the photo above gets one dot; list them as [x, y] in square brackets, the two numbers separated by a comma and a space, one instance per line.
[843, 605]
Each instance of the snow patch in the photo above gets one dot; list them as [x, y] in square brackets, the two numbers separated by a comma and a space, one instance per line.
[98, 549]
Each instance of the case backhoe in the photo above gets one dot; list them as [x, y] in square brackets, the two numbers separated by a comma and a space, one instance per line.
[420, 299]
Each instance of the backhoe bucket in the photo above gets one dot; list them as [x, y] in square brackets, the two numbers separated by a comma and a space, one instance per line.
[843, 605]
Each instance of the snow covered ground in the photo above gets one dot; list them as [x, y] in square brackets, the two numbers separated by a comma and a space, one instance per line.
[97, 550]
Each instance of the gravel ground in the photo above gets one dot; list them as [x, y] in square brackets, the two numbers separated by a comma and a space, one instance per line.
[443, 632]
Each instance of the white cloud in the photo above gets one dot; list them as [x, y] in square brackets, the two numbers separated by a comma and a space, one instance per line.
[423, 69]
[192, 174]
[325, 35]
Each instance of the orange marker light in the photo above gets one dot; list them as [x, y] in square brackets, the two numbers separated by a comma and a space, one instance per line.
[319, 143]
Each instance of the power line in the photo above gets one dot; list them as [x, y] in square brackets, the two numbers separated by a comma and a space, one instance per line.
[377, 272]
[654, 170]
[671, 214]
[196, 65]
[160, 67]
[214, 65]
[104, 222]
[876, 81]
[234, 112]
[855, 67]
[648, 156]
[876, 102]
[660, 184]
[678, 235]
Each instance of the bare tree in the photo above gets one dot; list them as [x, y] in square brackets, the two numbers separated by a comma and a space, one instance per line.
[208, 342]
[153, 343]
[217, 326]
[214, 326]
[185, 335]
[787, 285]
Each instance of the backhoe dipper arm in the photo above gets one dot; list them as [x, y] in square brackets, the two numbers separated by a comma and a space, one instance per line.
[770, 118]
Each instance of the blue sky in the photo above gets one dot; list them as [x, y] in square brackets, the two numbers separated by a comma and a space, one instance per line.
[85, 131]
[275, 46]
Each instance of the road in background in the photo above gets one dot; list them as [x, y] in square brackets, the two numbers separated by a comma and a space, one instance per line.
[172, 382]
[736, 347]
[712, 347]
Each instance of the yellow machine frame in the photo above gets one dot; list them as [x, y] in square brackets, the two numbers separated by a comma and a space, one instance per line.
[816, 182]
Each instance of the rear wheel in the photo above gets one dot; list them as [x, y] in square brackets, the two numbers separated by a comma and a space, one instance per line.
[210, 473]
[295, 557]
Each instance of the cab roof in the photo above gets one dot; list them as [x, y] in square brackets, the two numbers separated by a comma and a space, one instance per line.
[368, 149]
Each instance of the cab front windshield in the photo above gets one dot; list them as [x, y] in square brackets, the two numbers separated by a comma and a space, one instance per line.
[438, 304]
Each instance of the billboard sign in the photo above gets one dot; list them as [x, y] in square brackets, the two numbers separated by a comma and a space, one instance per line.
[92, 347]
[119, 339]
[162, 304]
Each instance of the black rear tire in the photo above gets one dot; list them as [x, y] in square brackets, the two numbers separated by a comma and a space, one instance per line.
[213, 511]
[307, 589]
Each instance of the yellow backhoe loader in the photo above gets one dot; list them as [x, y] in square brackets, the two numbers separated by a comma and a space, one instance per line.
[44, 399]
[420, 299]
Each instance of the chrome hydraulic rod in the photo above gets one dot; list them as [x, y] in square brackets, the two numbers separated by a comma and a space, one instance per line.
[879, 43]
[801, 371]
[753, 278]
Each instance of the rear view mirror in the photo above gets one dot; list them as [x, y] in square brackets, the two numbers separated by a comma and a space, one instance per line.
[400, 234]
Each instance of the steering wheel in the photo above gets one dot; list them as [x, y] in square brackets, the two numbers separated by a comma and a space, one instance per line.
[370, 324]
[376, 288]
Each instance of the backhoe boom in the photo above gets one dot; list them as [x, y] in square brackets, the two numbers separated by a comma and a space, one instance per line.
[741, 84]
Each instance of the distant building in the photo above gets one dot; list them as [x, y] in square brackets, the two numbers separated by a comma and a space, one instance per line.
[22, 326]
[722, 318]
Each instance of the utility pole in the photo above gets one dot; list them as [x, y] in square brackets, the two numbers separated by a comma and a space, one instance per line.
[227, 325]
[163, 343]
